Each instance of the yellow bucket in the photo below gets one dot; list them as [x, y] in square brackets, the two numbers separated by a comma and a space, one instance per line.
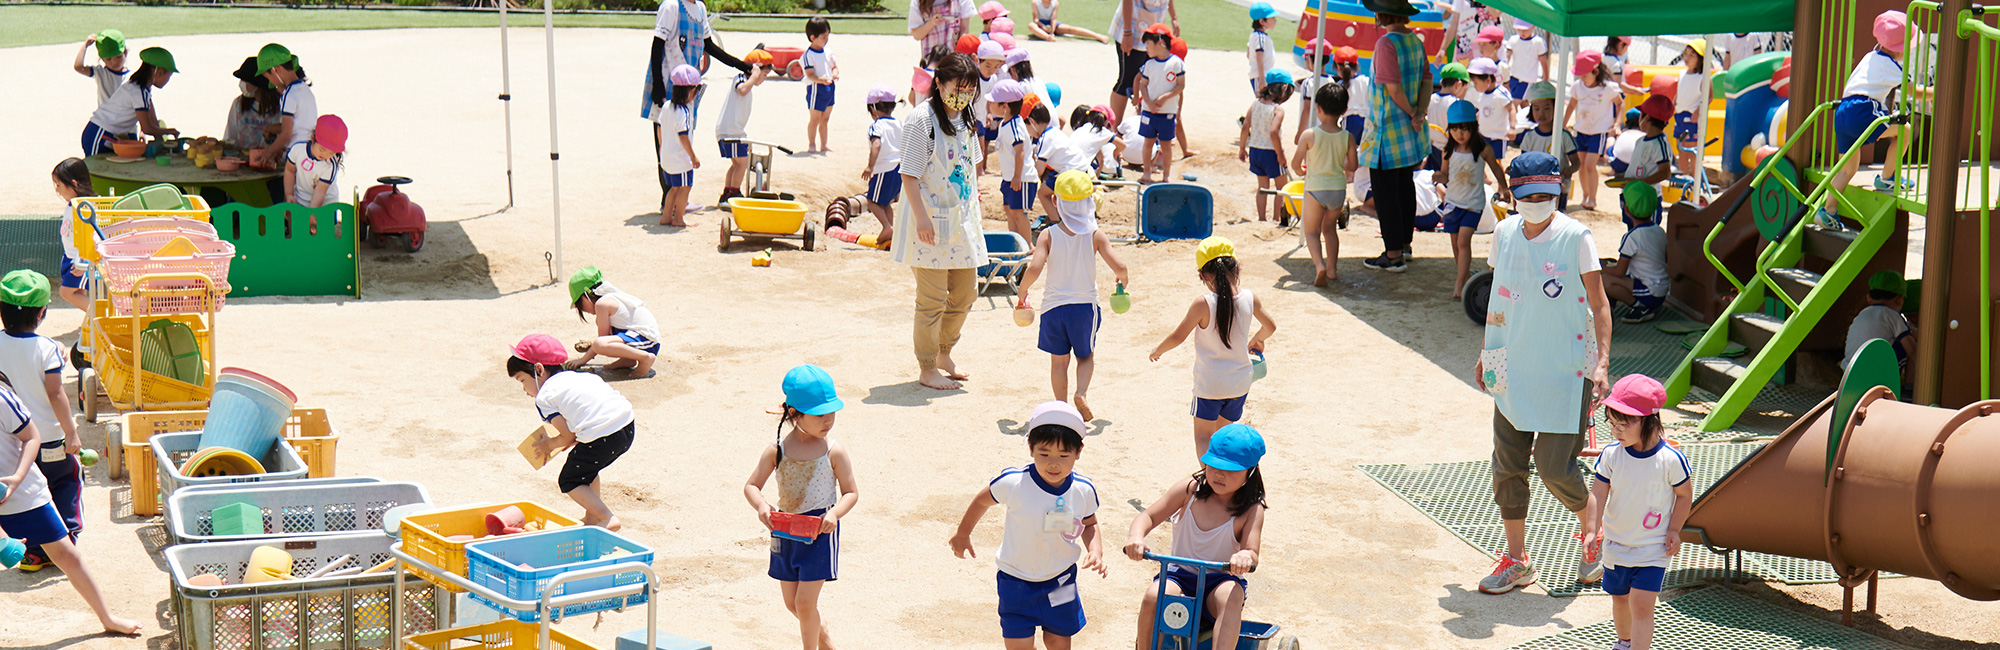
[1295, 197]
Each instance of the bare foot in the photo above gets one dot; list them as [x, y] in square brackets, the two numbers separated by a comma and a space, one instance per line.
[1189, 153]
[644, 367]
[934, 379]
[1319, 278]
[609, 523]
[949, 368]
[124, 626]
[1082, 407]
[621, 363]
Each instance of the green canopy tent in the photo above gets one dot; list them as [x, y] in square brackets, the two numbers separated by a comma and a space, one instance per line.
[1651, 18]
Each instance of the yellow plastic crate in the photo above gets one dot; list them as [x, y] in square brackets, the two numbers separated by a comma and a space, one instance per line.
[498, 635]
[86, 239]
[306, 429]
[424, 535]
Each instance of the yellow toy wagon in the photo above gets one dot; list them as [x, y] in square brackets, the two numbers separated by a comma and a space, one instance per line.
[767, 219]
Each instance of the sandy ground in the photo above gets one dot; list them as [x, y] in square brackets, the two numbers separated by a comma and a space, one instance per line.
[1372, 370]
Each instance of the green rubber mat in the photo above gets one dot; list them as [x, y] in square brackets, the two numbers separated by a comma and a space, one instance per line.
[1720, 618]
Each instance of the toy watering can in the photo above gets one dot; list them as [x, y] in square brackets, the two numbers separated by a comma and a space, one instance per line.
[1121, 302]
[1259, 368]
[268, 564]
[1023, 314]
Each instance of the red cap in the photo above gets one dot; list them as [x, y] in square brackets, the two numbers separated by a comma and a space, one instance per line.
[541, 349]
[966, 44]
[1490, 34]
[1587, 61]
[1636, 395]
[331, 132]
[1346, 55]
[1658, 107]
[1177, 47]
[1161, 29]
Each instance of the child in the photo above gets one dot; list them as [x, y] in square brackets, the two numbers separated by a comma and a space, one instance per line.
[1864, 98]
[37, 364]
[1324, 160]
[1643, 484]
[1614, 58]
[72, 180]
[591, 419]
[1222, 345]
[1466, 161]
[128, 112]
[1263, 142]
[677, 157]
[1453, 81]
[26, 512]
[312, 169]
[298, 107]
[1161, 80]
[1639, 278]
[1013, 149]
[820, 75]
[1347, 72]
[731, 130]
[1541, 100]
[885, 157]
[1527, 60]
[991, 57]
[1218, 516]
[253, 118]
[1626, 142]
[1053, 153]
[1883, 319]
[626, 329]
[1594, 100]
[1495, 104]
[110, 70]
[1263, 54]
[815, 479]
[1691, 98]
[1487, 44]
[1020, 69]
[1091, 132]
[1070, 316]
[1651, 155]
[1046, 27]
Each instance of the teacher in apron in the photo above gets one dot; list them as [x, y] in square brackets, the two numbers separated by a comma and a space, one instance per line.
[937, 226]
[681, 35]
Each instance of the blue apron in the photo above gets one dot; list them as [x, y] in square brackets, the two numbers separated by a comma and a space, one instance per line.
[1539, 339]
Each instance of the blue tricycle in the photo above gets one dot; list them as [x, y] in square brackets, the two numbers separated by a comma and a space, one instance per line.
[1177, 619]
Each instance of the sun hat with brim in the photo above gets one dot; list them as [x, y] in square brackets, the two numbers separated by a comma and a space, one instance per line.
[582, 280]
[1007, 90]
[1277, 76]
[1885, 280]
[1017, 55]
[1079, 216]
[331, 132]
[1636, 395]
[1461, 112]
[809, 389]
[540, 349]
[1490, 34]
[1587, 61]
[1538, 91]
[1262, 10]
[1454, 70]
[1534, 172]
[881, 93]
[1391, 7]
[159, 57]
[1641, 200]
[1211, 248]
[1074, 185]
[1699, 45]
[1483, 66]
[25, 288]
[1522, 24]
[1234, 448]
[1058, 413]
[274, 55]
[992, 50]
[110, 43]
[1889, 28]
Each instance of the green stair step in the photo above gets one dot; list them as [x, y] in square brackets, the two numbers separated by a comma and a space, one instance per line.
[1794, 282]
[1754, 329]
[1826, 243]
[1717, 374]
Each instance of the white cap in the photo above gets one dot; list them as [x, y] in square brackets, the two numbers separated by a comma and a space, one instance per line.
[1059, 413]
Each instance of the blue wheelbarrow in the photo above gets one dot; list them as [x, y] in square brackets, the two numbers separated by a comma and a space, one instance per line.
[1177, 618]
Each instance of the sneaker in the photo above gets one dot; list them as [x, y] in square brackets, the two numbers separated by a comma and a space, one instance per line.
[1622, 644]
[1894, 184]
[1639, 314]
[1507, 575]
[32, 563]
[1385, 263]
[1590, 569]
[1828, 220]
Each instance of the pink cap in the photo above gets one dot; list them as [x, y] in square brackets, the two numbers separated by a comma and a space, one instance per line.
[1109, 118]
[920, 79]
[331, 132]
[992, 50]
[1482, 65]
[1587, 61]
[881, 93]
[1007, 90]
[542, 349]
[1323, 47]
[1001, 25]
[991, 10]
[685, 75]
[1636, 395]
[1016, 55]
[1889, 26]
[1490, 34]
[1005, 39]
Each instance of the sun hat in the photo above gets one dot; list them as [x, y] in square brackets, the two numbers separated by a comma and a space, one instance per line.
[1633, 113]
[1160, 28]
[1001, 25]
[685, 75]
[1007, 90]
[1079, 216]
[1483, 66]
[1346, 55]
[1883, 280]
[1534, 172]
[1454, 70]
[1490, 34]
[1391, 7]
[966, 44]
[920, 79]
[25, 288]
[992, 50]
[1538, 91]
[809, 389]
[1211, 248]
[1889, 28]
[757, 57]
[1277, 76]
[540, 349]
[1109, 118]
[1522, 24]
[1322, 46]
[1074, 185]
[1059, 413]
[1234, 448]
[1029, 102]
[1261, 10]
[880, 93]
[1005, 40]
[273, 55]
[1636, 395]
[992, 9]
[331, 132]
[1658, 107]
[1055, 93]
[247, 73]
[1177, 47]
[1700, 46]
[1587, 61]
[1016, 55]
[1641, 200]
[159, 57]
[582, 280]
[1461, 112]
[110, 43]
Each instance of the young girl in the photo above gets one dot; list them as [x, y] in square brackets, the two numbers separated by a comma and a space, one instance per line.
[991, 55]
[1867, 95]
[626, 329]
[1013, 152]
[677, 157]
[1263, 54]
[1643, 484]
[312, 169]
[1222, 345]
[1691, 99]
[1021, 70]
[1466, 160]
[128, 113]
[1262, 142]
[591, 419]
[72, 180]
[815, 479]
[1045, 26]
[254, 117]
[1325, 158]
[1053, 153]
[1218, 516]
[1594, 100]
[1091, 131]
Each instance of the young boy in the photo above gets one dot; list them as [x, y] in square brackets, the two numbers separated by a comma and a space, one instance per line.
[1541, 98]
[885, 156]
[1652, 155]
[1527, 60]
[1453, 81]
[1865, 97]
[1161, 80]
[1883, 319]
[1051, 522]
[110, 70]
[1054, 154]
[820, 74]
[587, 414]
[1014, 154]
[1639, 278]
[1070, 316]
[1620, 158]
[1496, 106]
[731, 130]
[35, 364]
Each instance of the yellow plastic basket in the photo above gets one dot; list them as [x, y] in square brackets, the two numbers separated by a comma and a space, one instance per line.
[306, 429]
[86, 239]
[425, 534]
[498, 635]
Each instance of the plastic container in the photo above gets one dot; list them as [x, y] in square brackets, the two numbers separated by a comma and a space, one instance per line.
[86, 240]
[1258, 367]
[124, 262]
[1121, 302]
[426, 535]
[247, 412]
[503, 564]
[128, 148]
[291, 509]
[498, 635]
[335, 613]
[158, 230]
[307, 430]
[172, 449]
[767, 215]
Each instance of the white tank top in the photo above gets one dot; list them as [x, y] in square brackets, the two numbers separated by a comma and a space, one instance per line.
[1044, 13]
[630, 314]
[1260, 124]
[1224, 372]
[1190, 541]
[1071, 273]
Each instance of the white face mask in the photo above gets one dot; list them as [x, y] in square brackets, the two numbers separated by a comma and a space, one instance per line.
[245, 88]
[1536, 212]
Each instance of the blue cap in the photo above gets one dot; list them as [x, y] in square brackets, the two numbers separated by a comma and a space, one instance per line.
[1055, 94]
[1262, 10]
[1632, 113]
[1277, 76]
[810, 390]
[1461, 111]
[1234, 448]
[1534, 172]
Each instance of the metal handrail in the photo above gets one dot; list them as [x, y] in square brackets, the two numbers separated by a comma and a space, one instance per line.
[1972, 22]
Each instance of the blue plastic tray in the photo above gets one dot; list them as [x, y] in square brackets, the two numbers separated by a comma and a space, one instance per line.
[1176, 211]
[521, 566]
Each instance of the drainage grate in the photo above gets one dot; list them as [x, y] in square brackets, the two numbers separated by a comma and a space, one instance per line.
[1719, 618]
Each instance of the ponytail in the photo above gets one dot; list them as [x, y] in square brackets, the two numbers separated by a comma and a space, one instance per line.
[74, 173]
[1221, 272]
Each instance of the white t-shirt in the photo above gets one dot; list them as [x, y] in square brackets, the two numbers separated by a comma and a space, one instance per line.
[1621, 149]
[1641, 504]
[25, 359]
[674, 123]
[1692, 95]
[1439, 113]
[1493, 107]
[33, 492]
[1160, 76]
[888, 132]
[1013, 133]
[311, 172]
[1040, 89]
[979, 114]
[1647, 246]
[107, 81]
[1596, 108]
[1033, 545]
[1091, 141]
[302, 106]
[1053, 150]
[1874, 322]
[1874, 77]
[1465, 185]
[1135, 146]
[120, 113]
[1260, 46]
[591, 407]
[1649, 156]
[1737, 48]
[1586, 250]
[736, 110]
[1145, 13]
[1524, 57]
[817, 64]
[1533, 139]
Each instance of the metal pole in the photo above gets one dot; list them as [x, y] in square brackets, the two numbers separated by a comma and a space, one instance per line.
[555, 150]
[1941, 214]
[507, 99]
[1558, 74]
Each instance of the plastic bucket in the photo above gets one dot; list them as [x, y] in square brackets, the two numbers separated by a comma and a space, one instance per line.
[247, 413]
[1259, 368]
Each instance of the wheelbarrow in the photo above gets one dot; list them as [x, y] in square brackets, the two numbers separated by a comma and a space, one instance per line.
[760, 168]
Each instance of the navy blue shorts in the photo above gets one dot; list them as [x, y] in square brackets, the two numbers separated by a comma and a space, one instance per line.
[1049, 177]
[1353, 124]
[1644, 295]
[819, 97]
[796, 561]
[96, 140]
[1025, 606]
[1435, 161]
[1621, 580]
[39, 526]
[637, 341]
[883, 188]
[1264, 163]
[1017, 196]
[1592, 143]
[1228, 409]
[1457, 218]
[1852, 118]
[988, 132]
[738, 149]
[1070, 330]
[1517, 88]
[1498, 145]
[1684, 128]
[1619, 166]
[1183, 577]
[683, 179]
[70, 276]
[1156, 126]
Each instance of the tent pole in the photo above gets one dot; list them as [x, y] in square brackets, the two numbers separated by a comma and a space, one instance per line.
[1558, 77]
[507, 100]
[1319, 61]
[555, 155]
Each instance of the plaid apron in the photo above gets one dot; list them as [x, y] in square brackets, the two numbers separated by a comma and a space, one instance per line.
[1396, 142]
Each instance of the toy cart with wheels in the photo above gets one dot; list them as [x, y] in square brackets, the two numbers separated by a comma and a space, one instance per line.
[767, 219]
[387, 212]
[1178, 623]
[785, 61]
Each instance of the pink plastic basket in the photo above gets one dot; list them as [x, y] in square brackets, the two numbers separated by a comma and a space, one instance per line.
[128, 258]
[175, 226]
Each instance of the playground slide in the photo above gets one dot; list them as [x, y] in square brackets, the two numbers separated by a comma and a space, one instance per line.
[1905, 488]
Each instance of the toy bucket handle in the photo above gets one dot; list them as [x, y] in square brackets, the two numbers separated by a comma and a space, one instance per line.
[90, 218]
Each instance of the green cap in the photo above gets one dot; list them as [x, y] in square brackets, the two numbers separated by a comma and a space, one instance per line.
[1454, 70]
[582, 280]
[1538, 91]
[1641, 200]
[26, 288]
[159, 57]
[274, 55]
[110, 43]
[1889, 281]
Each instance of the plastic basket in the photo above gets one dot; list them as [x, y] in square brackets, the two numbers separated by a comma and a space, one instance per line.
[424, 535]
[339, 613]
[113, 345]
[521, 566]
[86, 239]
[126, 260]
[307, 430]
[158, 230]
[498, 635]
[292, 510]
[171, 449]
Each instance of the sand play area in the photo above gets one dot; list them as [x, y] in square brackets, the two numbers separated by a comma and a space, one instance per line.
[1375, 369]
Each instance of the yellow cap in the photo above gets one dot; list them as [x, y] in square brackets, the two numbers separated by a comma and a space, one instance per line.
[1074, 185]
[1211, 248]
[1700, 46]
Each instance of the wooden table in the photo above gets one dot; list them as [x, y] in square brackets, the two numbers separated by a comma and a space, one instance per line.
[246, 185]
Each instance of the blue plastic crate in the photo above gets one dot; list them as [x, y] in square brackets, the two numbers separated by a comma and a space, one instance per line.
[521, 567]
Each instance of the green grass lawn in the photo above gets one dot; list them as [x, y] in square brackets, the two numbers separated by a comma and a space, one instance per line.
[1208, 24]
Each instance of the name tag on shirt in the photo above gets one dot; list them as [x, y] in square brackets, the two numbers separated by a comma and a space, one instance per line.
[1059, 519]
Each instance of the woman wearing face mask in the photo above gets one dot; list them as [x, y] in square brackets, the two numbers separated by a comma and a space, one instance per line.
[937, 224]
[1546, 363]
[253, 114]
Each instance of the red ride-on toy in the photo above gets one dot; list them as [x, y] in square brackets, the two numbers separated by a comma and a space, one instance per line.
[386, 211]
